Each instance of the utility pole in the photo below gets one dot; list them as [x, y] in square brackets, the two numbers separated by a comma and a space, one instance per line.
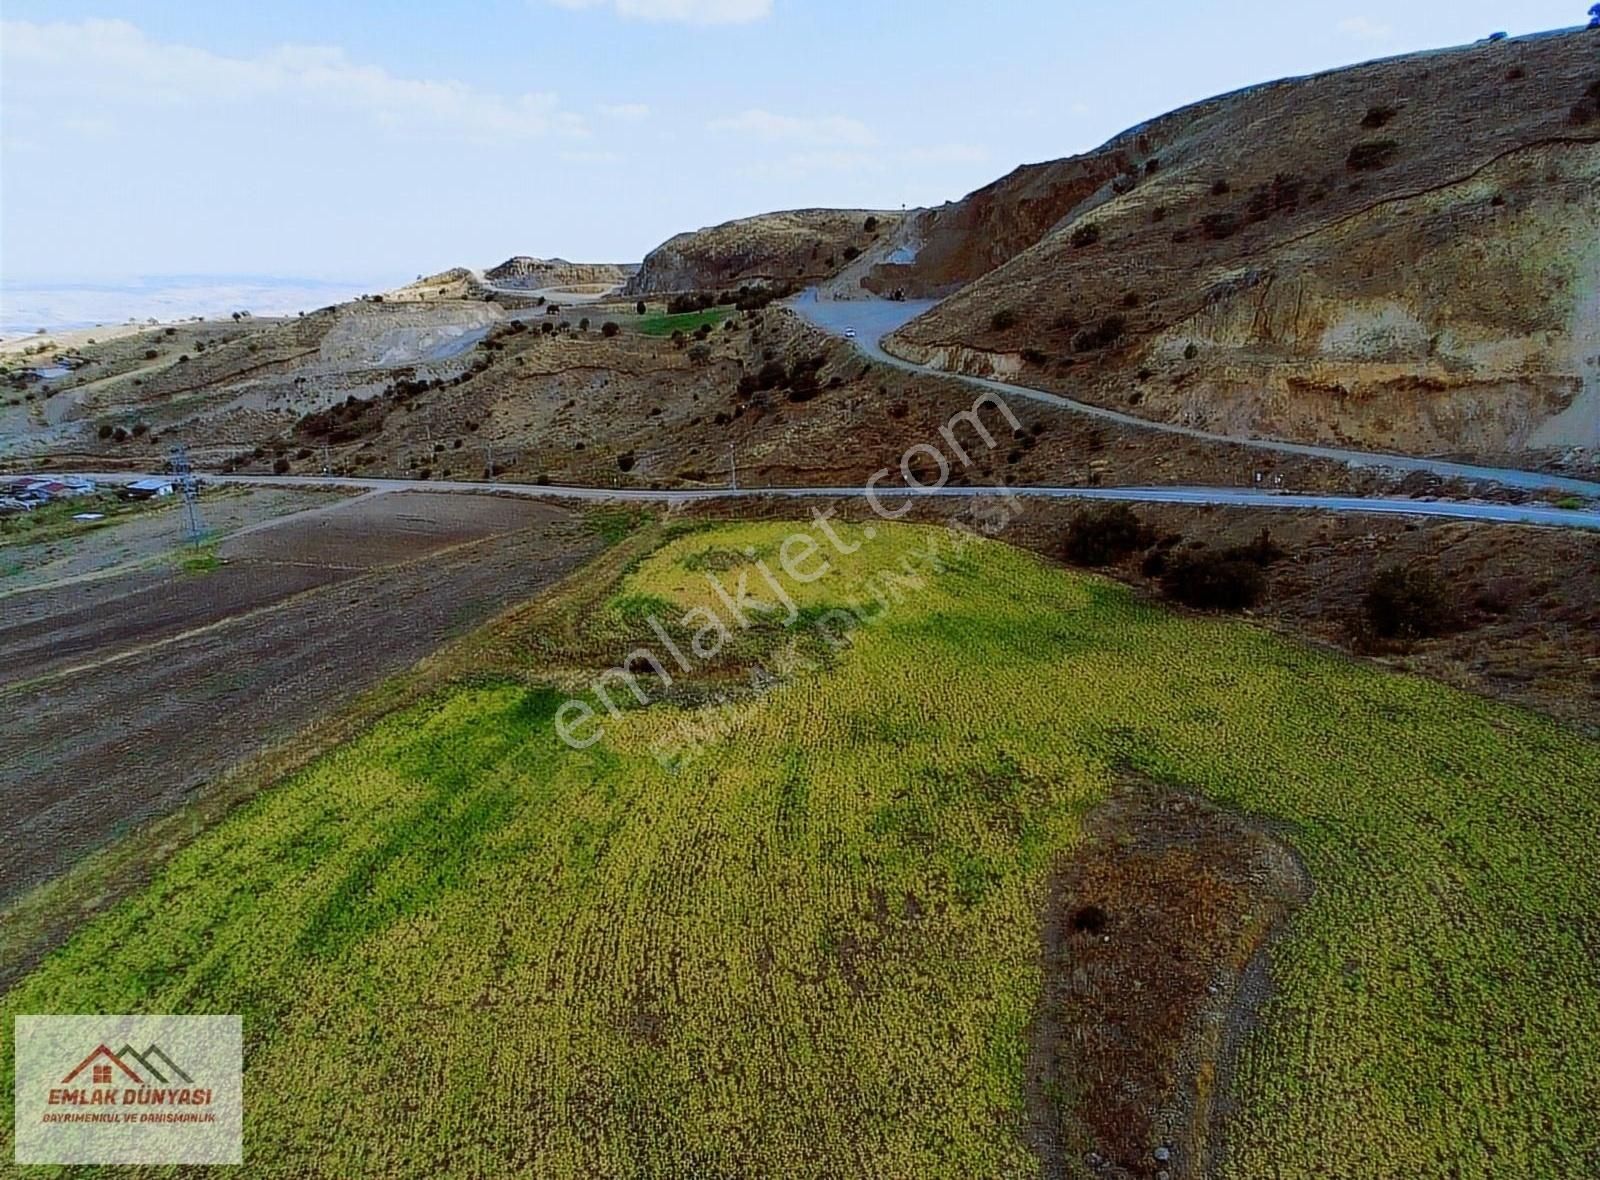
[189, 489]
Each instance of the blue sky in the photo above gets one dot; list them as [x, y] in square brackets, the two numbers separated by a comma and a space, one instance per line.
[356, 140]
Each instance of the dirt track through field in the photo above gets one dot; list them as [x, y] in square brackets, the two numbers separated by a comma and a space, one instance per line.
[121, 698]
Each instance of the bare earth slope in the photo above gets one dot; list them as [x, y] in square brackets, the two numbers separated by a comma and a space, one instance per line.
[538, 273]
[1401, 255]
[799, 246]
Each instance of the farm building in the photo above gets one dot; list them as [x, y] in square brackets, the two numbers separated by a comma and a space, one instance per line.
[147, 489]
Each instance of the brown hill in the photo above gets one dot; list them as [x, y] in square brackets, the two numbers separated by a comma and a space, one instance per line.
[1401, 254]
[540, 273]
[799, 246]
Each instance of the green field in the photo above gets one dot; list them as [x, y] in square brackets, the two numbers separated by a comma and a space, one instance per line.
[461, 948]
[686, 322]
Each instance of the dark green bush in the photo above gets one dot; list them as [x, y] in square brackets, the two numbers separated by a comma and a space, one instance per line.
[1407, 602]
[1212, 581]
[1105, 537]
[1373, 155]
[1085, 235]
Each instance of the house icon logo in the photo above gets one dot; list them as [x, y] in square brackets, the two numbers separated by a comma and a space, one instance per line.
[107, 1068]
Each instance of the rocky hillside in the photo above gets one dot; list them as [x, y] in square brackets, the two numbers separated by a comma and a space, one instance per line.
[540, 273]
[1402, 254]
[801, 246]
[455, 283]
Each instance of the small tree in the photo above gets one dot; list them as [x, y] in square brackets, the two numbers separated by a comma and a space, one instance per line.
[1213, 581]
[1106, 537]
[609, 329]
[639, 307]
[1003, 320]
[1407, 602]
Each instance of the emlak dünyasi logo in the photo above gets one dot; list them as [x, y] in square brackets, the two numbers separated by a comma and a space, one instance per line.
[176, 1100]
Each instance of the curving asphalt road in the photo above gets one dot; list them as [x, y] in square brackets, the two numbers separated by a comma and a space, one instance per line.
[1534, 514]
[873, 319]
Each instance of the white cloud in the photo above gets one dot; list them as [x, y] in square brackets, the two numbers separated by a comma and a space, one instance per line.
[111, 66]
[628, 111]
[825, 131]
[689, 12]
[1365, 29]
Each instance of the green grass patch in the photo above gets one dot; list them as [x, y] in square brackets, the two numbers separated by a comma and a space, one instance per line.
[201, 559]
[613, 524]
[687, 322]
[814, 949]
[53, 521]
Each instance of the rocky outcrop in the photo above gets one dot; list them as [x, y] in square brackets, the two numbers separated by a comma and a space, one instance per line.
[798, 247]
[539, 273]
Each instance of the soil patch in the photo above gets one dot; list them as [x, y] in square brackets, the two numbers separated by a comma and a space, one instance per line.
[1153, 943]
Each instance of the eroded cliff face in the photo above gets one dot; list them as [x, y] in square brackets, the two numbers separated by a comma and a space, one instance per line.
[1403, 255]
[1459, 319]
[799, 247]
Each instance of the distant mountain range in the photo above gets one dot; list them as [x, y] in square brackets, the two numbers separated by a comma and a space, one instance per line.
[26, 307]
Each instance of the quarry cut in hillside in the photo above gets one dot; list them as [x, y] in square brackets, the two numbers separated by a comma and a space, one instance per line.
[1400, 255]
[797, 247]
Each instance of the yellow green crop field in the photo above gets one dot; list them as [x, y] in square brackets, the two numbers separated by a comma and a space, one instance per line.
[813, 948]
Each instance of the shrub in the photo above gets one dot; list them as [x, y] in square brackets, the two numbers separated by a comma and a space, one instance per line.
[1407, 602]
[639, 307]
[1378, 117]
[120, 434]
[1111, 330]
[1261, 552]
[1219, 226]
[1105, 537]
[280, 466]
[105, 430]
[1085, 235]
[851, 253]
[870, 225]
[1372, 155]
[150, 354]
[1212, 581]
[1191, 351]
[625, 461]
[609, 329]
[1221, 188]
[1032, 356]
[699, 354]
[140, 429]
[1003, 320]
[804, 386]
[583, 324]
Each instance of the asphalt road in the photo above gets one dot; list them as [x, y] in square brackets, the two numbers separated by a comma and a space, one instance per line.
[873, 319]
[1536, 514]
